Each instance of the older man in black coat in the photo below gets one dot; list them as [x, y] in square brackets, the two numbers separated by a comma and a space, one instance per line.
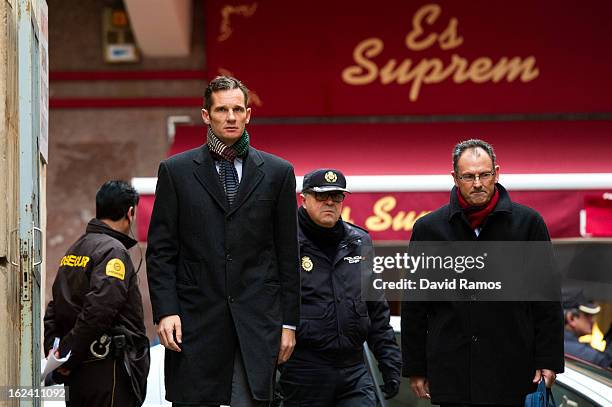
[480, 353]
[222, 261]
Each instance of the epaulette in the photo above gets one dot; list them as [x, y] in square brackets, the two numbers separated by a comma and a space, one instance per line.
[357, 227]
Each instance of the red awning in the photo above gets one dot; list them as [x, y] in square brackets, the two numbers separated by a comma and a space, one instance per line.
[572, 154]
[425, 148]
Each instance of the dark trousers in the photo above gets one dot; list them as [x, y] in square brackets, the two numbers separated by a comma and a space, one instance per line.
[103, 383]
[311, 385]
[241, 392]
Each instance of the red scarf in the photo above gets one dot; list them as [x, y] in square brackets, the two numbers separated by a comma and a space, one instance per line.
[477, 214]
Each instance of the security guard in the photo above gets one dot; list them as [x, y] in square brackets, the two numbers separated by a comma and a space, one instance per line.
[327, 366]
[96, 309]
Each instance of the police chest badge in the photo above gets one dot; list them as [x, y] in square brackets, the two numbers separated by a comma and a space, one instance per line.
[331, 176]
[115, 268]
[307, 264]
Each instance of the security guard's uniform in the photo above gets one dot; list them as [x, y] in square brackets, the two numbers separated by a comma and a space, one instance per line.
[96, 312]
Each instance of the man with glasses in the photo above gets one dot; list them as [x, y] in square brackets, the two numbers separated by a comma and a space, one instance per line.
[327, 367]
[480, 353]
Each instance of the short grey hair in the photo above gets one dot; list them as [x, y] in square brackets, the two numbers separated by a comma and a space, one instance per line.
[471, 144]
[224, 83]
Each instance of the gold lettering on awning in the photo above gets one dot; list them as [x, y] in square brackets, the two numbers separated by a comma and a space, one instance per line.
[383, 219]
[427, 71]
[225, 28]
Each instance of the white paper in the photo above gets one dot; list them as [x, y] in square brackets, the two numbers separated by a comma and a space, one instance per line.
[53, 362]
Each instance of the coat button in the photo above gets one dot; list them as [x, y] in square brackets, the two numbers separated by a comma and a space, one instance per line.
[230, 298]
[474, 338]
[228, 257]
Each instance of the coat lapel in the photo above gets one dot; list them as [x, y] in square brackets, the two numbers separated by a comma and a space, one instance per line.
[207, 175]
[251, 177]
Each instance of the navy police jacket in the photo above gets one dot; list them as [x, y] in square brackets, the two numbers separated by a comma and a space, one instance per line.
[335, 317]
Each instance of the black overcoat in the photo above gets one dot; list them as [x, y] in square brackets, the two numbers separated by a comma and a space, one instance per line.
[481, 352]
[231, 274]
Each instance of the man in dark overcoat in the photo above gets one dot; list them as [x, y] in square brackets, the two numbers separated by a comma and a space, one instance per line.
[480, 353]
[222, 261]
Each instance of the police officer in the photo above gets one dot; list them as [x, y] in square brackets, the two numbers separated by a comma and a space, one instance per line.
[327, 367]
[96, 309]
[579, 313]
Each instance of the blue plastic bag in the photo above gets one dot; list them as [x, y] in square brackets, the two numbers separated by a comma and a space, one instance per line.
[542, 397]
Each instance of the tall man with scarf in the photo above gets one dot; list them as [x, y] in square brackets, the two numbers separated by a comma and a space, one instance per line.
[480, 353]
[222, 261]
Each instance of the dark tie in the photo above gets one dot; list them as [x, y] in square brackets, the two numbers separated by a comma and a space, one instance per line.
[229, 179]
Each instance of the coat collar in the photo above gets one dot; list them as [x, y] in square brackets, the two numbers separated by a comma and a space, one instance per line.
[351, 234]
[207, 175]
[352, 238]
[504, 205]
[97, 226]
[569, 336]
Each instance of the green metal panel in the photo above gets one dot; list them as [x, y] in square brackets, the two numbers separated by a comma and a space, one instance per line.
[30, 236]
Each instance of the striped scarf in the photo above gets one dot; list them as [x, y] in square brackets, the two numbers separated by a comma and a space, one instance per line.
[224, 156]
[219, 150]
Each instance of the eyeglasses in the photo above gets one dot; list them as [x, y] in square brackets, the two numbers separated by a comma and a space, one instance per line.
[335, 196]
[485, 176]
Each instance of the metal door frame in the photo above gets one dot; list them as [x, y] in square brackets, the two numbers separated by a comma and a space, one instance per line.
[29, 233]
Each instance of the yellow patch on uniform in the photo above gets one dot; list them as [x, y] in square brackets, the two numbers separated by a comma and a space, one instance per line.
[84, 261]
[115, 268]
[307, 263]
[74, 261]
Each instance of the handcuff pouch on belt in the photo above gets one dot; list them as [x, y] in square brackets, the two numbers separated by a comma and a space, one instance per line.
[102, 347]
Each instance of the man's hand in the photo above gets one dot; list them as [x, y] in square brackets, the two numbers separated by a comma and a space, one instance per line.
[166, 329]
[549, 377]
[286, 346]
[390, 388]
[420, 386]
[62, 370]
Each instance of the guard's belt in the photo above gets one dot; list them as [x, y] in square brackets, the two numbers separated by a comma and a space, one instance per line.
[108, 346]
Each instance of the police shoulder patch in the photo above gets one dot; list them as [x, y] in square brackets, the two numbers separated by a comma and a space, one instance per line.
[115, 268]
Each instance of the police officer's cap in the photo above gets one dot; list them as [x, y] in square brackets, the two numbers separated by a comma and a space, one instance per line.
[323, 180]
[574, 298]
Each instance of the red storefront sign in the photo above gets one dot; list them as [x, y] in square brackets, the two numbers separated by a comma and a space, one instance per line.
[322, 58]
